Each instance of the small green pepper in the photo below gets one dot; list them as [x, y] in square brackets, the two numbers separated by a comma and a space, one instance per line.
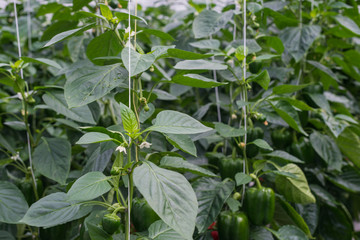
[281, 138]
[252, 134]
[303, 150]
[111, 223]
[228, 167]
[259, 204]
[233, 226]
[142, 214]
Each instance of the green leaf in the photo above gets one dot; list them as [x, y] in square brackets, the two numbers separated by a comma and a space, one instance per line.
[227, 131]
[199, 65]
[242, 178]
[290, 116]
[64, 35]
[104, 45]
[195, 80]
[4, 235]
[260, 233]
[56, 101]
[240, 54]
[263, 79]
[158, 33]
[169, 121]
[45, 61]
[139, 62]
[79, 4]
[211, 195]
[327, 149]
[125, 16]
[129, 120]
[209, 22]
[161, 231]
[105, 11]
[261, 144]
[92, 83]
[182, 142]
[97, 232]
[178, 53]
[233, 204]
[349, 144]
[53, 210]
[349, 180]
[284, 89]
[275, 43]
[294, 189]
[289, 232]
[170, 195]
[294, 102]
[13, 205]
[284, 156]
[348, 23]
[88, 187]
[179, 164]
[266, 57]
[298, 40]
[52, 158]
[94, 137]
[324, 69]
[295, 216]
[211, 44]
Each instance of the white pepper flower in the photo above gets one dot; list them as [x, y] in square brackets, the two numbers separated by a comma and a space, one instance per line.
[145, 145]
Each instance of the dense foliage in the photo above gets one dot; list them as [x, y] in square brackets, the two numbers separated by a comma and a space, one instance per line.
[212, 137]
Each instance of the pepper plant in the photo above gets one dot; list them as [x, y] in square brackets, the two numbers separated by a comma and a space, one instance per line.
[110, 127]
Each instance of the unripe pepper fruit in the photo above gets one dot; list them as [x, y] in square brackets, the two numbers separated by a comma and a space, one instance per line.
[233, 226]
[111, 223]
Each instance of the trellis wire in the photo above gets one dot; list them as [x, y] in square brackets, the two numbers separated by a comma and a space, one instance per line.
[22, 76]
[129, 64]
[215, 78]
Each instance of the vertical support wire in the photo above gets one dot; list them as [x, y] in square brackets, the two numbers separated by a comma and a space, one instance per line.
[22, 76]
[244, 98]
[129, 63]
[215, 78]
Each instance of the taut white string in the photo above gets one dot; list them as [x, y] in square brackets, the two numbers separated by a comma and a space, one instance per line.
[129, 63]
[22, 76]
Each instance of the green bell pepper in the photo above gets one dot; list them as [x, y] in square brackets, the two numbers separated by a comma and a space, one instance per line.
[111, 223]
[142, 215]
[303, 150]
[281, 138]
[259, 204]
[228, 167]
[233, 226]
[252, 134]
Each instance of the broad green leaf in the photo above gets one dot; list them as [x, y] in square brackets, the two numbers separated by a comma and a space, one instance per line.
[13, 205]
[88, 187]
[274, 43]
[284, 89]
[161, 231]
[211, 195]
[199, 65]
[327, 149]
[97, 232]
[241, 53]
[99, 158]
[195, 80]
[209, 22]
[294, 189]
[4, 235]
[227, 131]
[260, 233]
[125, 16]
[138, 62]
[160, 52]
[105, 11]
[211, 44]
[324, 69]
[263, 79]
[158, 33]
[348, 23]
[5, 143]
[261, 144]
[294, 102]
[169, 121]
[64, 35]
[349, 179]
[289, 115]
[298, 40]
[284, 156]
[92, 83]
[281, 20]
[53, 210]
[56, 101]
[104, 45]
[52, 158]
[242, 178]
[170, 195]
[320, 100]
[233, 204]
[179, 164]
[335, 125]
[45, 61]
[294, 215]
[84, 14]
[113, 134]
[94, 137]
[79, 4]
[310, 214]
[349, 144]
[289, 232]
[182, 142]
[265, 57]
[129, 120]
[178, 53]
